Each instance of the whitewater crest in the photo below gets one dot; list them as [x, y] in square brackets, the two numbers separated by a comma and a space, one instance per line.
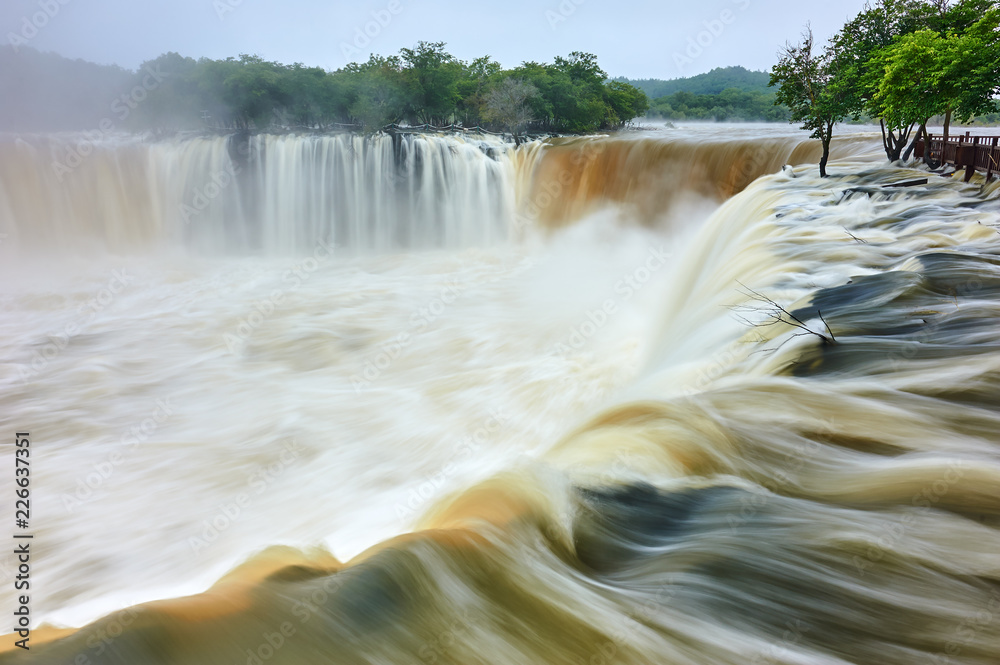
[780, 444]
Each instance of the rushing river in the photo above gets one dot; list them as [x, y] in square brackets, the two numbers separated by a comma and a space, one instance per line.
[650, 398]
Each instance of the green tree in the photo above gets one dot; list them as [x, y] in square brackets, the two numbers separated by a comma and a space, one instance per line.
[421, 84]
[974, 66]
[925, 73]
[255, 91]
[472, 88]
[380, 94]
[431, 76]
[577, 92]
[806, 87]
[625, 102]
[908, 85]
[306, 96]
[852, 51]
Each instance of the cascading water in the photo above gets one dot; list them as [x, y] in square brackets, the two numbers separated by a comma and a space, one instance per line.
[649, 176]
[277, 194]
[678, 430]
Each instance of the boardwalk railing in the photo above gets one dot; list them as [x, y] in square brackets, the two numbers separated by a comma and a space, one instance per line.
[973, 153]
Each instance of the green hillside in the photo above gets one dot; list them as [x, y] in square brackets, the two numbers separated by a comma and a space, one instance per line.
[725, 93]
[710, 83]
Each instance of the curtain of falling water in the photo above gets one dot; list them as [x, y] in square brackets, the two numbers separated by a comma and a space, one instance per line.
[277, 194]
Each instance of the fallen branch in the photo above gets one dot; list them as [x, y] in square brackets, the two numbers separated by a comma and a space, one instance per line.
[778, 314]
[861, 240]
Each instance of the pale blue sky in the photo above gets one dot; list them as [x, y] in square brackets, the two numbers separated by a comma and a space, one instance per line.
[641, 39]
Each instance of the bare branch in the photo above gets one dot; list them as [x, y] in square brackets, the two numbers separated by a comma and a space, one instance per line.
[778, 314]
[861, 240]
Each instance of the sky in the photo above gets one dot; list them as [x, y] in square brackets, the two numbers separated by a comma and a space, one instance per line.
[638, 39]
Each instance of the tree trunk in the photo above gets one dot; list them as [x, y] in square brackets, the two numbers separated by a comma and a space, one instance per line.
[886, 140]
[826, 150]
[947, 123]
[913, 144]
[893, 151]
[896, 143]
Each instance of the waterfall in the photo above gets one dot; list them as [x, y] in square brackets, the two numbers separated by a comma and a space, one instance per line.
[264, 193]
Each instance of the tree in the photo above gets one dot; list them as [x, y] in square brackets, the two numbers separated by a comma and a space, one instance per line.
[431, 75]
[254, 92]
[974, 67]
[852, 51]
[577, 92]
[380, 97]
[926, 73]
[908, 85]
[308, 104]
[508, 105]
[806, 87]
[473, 87]
[625, 102]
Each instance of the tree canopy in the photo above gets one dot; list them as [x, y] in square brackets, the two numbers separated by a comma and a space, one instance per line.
[421, 85]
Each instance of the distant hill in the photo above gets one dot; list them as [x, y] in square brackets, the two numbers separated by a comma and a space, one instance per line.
[45, 91]
[710, 83]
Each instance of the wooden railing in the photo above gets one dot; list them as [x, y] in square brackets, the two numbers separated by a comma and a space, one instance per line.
[973, 153]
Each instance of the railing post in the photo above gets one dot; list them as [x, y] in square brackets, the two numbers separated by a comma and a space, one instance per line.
[969, 157]
[991, 160]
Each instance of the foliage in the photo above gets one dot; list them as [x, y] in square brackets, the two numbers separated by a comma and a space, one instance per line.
[423, 84]
[903, 62]
[624, 102]
[974, 65]
[806, 87]
[710, 83]
[378, 93]
[854, 58]
[908, 85]
[732, 104]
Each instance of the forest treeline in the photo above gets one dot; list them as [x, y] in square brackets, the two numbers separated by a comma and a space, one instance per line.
[722, 94]
[710, 83]
[420, 85]
[901, 62]
[732, 104]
